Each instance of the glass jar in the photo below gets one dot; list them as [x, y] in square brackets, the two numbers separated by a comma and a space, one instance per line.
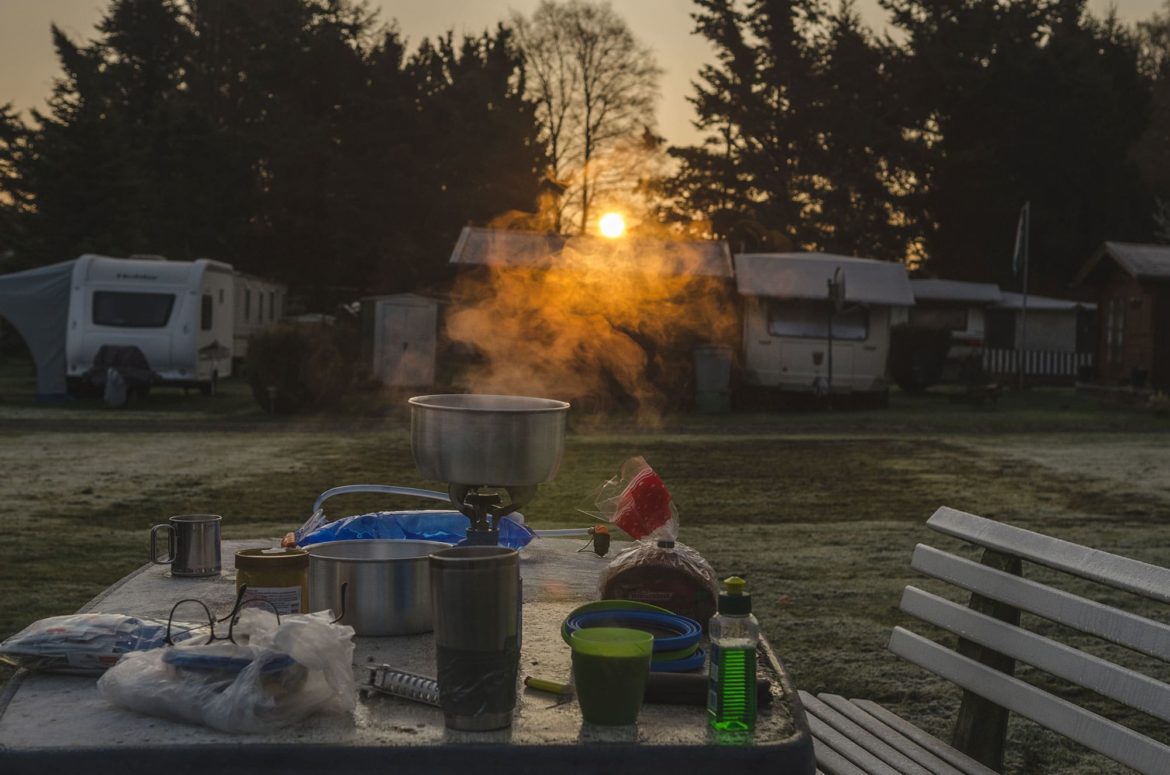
[279, 576]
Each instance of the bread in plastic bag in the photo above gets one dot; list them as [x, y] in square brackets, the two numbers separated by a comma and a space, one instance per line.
[668, 574]
[272, 676]
[85, 644]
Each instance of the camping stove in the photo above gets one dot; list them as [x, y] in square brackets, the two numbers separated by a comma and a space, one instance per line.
[492, 451]
[485, 507]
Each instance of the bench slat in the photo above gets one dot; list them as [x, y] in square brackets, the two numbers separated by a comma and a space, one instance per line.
[1114, 570]
[830, 762]
[1107, 737]
[923, 738]
[857, 735]
[889, 736]
[830, 738]
[1104, 677]
[1129, 630]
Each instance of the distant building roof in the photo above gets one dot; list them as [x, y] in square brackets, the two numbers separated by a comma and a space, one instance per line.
[1140, 261]
[955, 290]
[499, 247]
[1041, 303]
[805, 276]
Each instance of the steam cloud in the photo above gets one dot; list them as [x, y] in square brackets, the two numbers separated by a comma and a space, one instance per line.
[601, 323]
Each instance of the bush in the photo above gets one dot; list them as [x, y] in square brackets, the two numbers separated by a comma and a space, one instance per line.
[294, 368]
[917, 356]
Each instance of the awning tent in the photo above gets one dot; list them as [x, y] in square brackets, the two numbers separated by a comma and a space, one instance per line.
[36, 303]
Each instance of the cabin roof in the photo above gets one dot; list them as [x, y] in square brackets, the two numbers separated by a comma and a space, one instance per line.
[508, 248]
[1139, 260]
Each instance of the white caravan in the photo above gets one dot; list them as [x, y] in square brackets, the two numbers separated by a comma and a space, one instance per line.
[786, 320]
[179, 314]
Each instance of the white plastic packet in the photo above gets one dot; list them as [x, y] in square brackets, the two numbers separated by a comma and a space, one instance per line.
[86, 644]
[272, 676]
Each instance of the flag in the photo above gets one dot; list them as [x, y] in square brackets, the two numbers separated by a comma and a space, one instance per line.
[1020, 256]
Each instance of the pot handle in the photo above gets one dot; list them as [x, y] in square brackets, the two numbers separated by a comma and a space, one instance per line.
[382, 488]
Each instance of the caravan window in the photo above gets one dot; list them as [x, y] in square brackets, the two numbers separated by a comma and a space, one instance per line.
[809, 319]
[132, 310]
[205, 313]
[247, 304]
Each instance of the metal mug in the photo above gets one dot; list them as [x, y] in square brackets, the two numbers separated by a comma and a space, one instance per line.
[192, 545]
[476, 598]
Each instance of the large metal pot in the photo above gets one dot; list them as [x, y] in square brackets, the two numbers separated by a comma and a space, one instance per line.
[487, 440]
[382, 585]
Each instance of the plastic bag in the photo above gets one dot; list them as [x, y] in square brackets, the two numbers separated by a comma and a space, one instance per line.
[657, 569]
[446, 526]
[273, 675]
[85, 644]
[637, 501]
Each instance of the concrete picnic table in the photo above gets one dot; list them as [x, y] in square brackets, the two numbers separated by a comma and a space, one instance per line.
[52, 723]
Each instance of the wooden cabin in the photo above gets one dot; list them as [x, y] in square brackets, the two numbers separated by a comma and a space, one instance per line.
[1132, 284]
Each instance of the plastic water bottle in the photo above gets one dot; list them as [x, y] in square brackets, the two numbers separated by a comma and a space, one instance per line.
[734, 634]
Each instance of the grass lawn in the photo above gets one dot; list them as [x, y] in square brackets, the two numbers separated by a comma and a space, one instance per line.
[820, 511]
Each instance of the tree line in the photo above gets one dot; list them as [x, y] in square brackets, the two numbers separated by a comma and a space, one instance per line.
[309, 141]
[297, 139]
[923, 143]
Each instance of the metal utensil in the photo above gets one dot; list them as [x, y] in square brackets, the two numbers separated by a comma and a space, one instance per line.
[486, 440]
[379, 586]
[192, 544]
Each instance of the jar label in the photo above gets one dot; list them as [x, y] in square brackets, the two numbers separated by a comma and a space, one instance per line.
[286, 600]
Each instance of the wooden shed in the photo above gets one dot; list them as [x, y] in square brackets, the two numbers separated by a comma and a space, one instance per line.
[1132, 284]
[399, 334]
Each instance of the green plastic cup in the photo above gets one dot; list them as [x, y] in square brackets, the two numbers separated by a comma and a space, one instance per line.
[610, 668]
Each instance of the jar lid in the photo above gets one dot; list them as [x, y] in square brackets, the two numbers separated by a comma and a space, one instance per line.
[272, 559]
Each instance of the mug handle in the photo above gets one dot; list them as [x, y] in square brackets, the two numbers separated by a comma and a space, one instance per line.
[170, 544]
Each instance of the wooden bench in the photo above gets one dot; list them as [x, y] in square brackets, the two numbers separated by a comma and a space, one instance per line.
[859, 736]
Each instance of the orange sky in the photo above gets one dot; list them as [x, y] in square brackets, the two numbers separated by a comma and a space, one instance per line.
[27, 64]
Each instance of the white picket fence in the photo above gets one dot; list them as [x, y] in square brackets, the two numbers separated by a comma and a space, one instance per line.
[1056, 366]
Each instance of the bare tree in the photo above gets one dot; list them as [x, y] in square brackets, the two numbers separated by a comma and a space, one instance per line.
[595, 86]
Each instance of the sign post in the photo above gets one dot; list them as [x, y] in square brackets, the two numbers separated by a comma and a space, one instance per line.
[836, 304]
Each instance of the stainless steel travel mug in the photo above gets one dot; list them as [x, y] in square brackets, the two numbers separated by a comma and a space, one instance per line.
[192, 545]
[475, 599]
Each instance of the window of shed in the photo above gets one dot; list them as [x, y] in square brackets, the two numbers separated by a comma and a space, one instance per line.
[808, 319]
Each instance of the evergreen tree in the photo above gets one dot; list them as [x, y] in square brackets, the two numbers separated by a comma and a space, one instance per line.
[804, 148]
[292, 138]
[1019, 101]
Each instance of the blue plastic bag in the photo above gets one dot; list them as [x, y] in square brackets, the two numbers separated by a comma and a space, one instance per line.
[446, 526]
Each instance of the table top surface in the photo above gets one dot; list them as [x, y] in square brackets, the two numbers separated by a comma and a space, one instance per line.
[56, 711]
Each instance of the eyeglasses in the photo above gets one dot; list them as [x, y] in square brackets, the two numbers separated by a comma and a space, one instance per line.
[232, 617]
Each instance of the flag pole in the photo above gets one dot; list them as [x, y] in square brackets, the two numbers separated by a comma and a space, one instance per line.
[1025, 228]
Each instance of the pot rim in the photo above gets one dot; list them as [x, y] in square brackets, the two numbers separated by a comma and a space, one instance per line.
[324, 557]
[542, 405]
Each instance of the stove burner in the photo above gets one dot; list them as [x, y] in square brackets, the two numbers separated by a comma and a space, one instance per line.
[484, 506]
